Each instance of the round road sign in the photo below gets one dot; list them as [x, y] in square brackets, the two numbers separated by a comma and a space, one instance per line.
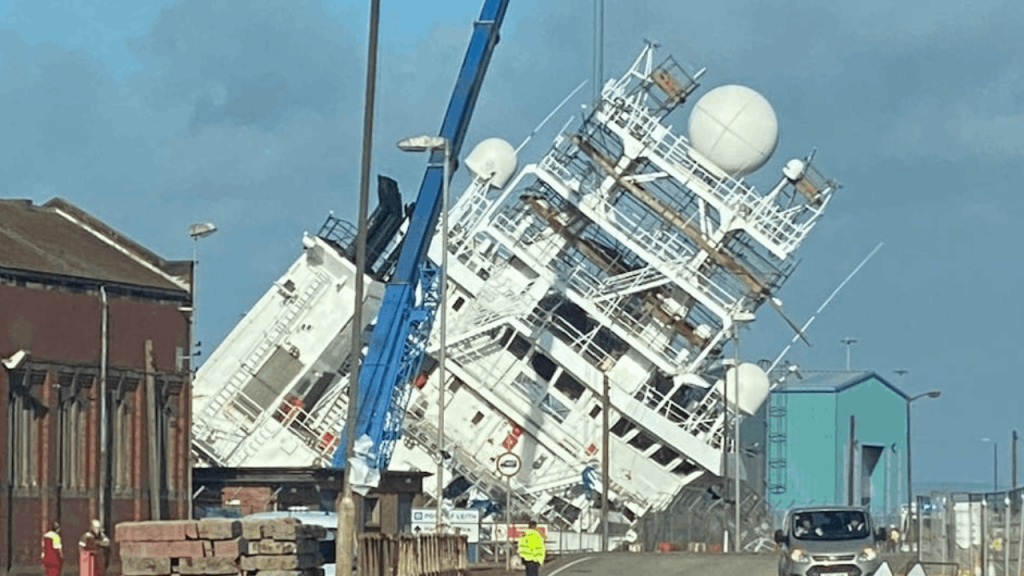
[509, 464]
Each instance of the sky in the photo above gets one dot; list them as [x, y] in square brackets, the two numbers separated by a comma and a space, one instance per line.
[153, 115]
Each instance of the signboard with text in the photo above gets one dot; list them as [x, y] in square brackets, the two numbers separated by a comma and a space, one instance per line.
[466, 520]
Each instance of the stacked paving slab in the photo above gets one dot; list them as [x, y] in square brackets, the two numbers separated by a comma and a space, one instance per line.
[220, 547]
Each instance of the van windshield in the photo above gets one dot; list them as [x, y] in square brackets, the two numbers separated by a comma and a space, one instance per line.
[830, 525]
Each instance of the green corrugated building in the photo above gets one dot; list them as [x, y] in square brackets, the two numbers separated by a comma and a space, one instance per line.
[808, 440]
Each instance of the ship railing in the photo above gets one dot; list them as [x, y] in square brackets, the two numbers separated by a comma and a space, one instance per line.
[555, 167]
[644, 329]
[665, 247]
[772, 222]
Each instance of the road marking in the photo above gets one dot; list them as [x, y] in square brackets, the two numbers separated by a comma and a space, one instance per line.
[573, 563]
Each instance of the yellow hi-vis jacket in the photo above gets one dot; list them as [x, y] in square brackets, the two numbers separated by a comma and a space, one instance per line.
[531, 546]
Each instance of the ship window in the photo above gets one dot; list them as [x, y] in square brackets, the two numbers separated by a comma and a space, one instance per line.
[458, 303]
[505, 336]
[568, 385]
[551, 406]
[621, 427]
[664, 455]
[641, 442]
[289, 286]
[477, 418]
[520, 346]
[685, 467]
[543, 366]
[595, 412]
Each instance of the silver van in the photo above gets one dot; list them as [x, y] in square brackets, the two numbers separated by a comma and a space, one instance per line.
[829, 541]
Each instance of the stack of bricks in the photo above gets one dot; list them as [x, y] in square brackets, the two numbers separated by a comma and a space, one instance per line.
[220, 547]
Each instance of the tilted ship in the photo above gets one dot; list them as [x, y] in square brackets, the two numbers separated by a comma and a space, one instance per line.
[625, 256]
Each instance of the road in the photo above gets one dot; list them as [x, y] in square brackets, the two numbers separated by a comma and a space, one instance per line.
[670, 564]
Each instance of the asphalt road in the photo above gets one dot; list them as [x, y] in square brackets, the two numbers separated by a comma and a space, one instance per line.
[669, 564]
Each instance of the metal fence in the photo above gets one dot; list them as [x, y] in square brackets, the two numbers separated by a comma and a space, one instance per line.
[406, 555]
[981, 533]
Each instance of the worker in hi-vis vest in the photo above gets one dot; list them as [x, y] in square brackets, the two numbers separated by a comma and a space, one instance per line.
[53, 555]
[531, 549]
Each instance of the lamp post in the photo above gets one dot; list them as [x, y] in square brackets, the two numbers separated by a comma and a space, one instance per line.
[995, 463]
[742, 317]
[421, 144]
[910, 478]
[848, 342]
[195, 231]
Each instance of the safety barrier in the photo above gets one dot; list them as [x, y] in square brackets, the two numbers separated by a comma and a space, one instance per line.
[980, 532]
[407, 555]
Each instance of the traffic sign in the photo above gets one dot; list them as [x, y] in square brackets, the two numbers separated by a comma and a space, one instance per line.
[509, 464]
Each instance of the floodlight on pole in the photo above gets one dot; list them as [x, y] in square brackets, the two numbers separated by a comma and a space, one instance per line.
[848, 342]
[428, 143]
[910, 468]
[195, 231]
[995, 463]
[201, 230]
[742, 317]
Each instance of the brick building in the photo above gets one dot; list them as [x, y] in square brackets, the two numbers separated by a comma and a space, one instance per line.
[86, 313]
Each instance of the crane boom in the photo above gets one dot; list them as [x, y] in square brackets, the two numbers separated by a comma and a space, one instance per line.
[403, 327]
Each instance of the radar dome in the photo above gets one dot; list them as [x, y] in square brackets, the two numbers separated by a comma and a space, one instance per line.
[493, 157]
[735, 128]
[753, 387]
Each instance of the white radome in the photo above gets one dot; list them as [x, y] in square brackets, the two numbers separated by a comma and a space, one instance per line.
[493, 156]
[735, 128]
[753, 387]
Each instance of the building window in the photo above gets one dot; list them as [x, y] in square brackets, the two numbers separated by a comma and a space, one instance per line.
[72, 449]
[24, 434]
[123, 445]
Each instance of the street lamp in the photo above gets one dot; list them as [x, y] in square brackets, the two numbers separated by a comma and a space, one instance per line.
[195, 231]
[995, 463]
[910, 477]
[425, 143]
[848, 342]
[741, 317]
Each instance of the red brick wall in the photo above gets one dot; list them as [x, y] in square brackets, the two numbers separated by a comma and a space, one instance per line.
[61, 325]
[250, 498]
[64, 327]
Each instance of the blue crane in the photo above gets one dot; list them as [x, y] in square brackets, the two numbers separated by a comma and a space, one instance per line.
[403, 326]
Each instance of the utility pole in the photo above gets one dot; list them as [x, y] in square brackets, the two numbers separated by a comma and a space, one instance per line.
[349, 517]
[1013, 459]
[848, 342]
[605, 473]
[853, 461]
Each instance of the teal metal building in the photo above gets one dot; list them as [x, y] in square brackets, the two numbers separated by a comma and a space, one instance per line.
[808, 424]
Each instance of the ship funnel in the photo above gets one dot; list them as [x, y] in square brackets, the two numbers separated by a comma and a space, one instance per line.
[493, 158]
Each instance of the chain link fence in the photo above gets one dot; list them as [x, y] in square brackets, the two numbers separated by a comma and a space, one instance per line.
[973, 534]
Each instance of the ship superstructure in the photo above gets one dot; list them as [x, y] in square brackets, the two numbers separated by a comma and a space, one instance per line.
[625, 255]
